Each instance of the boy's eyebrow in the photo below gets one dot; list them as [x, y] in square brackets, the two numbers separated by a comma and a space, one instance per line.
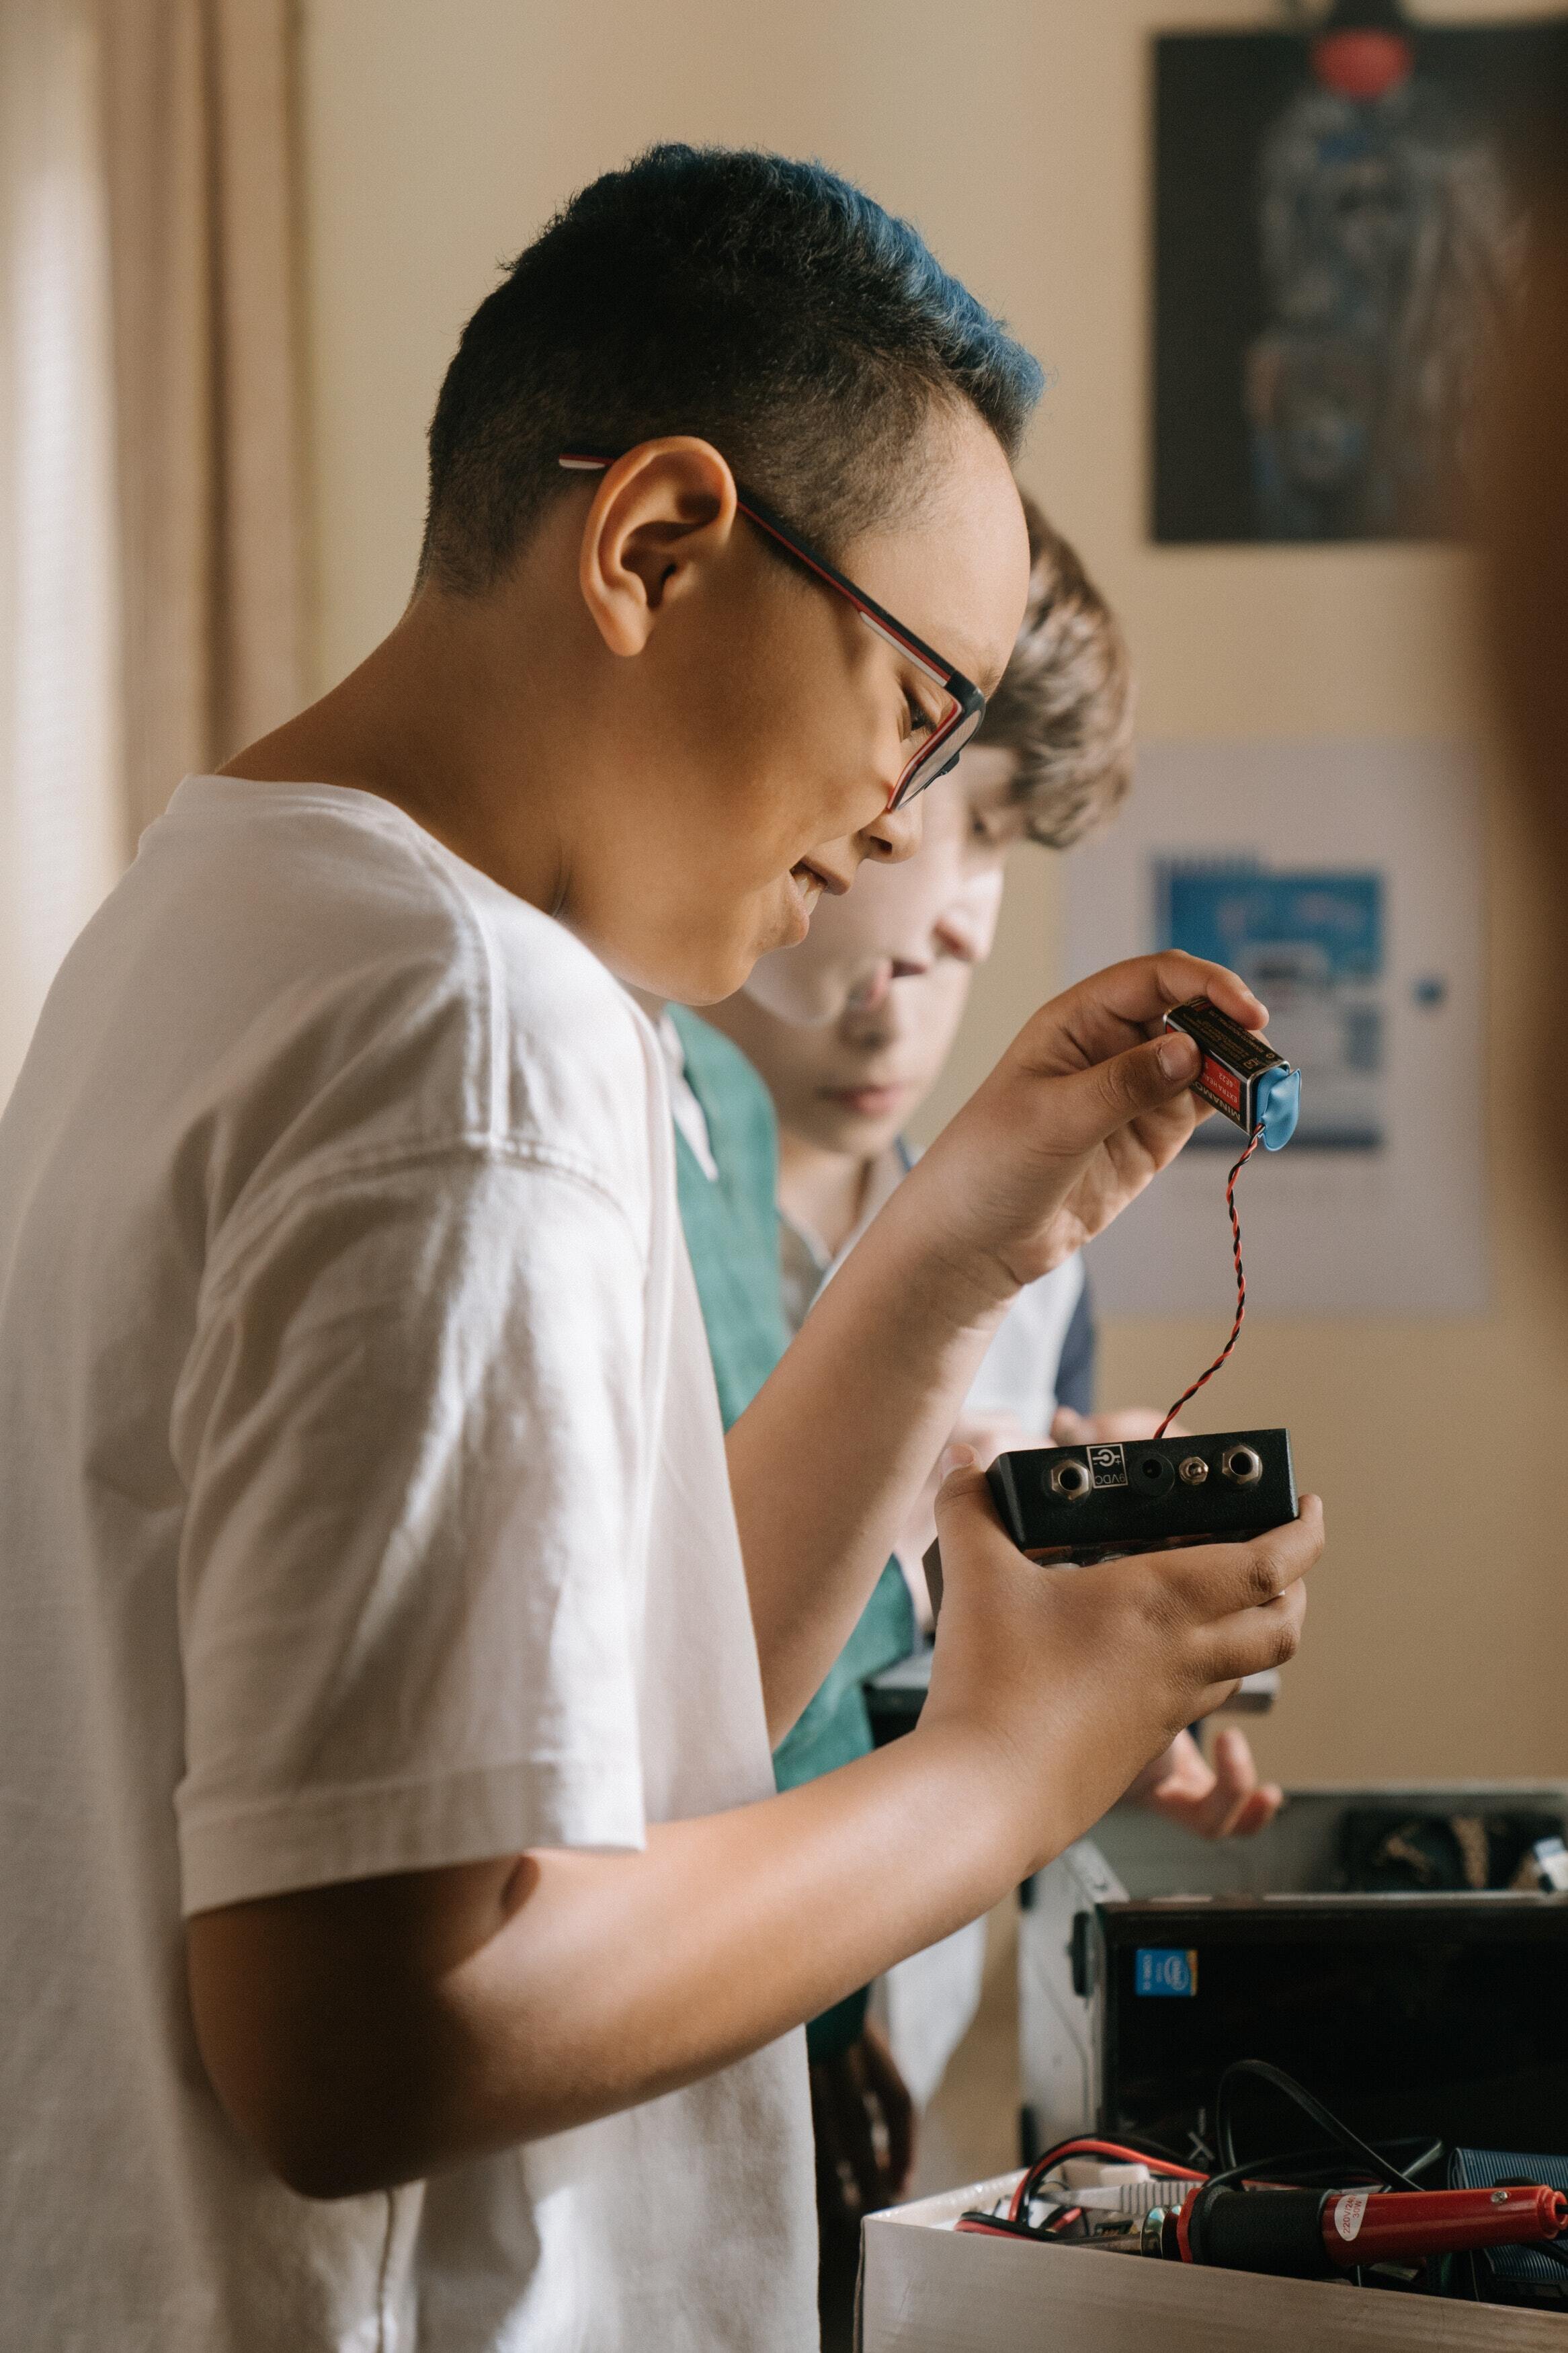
[987, 675]
[964, 654]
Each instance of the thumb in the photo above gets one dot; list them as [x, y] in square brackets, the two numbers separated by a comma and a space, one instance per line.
[1110, 1094]
[963, 1490]
[962, 1503]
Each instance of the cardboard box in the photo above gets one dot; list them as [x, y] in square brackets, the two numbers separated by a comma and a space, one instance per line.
[926, 2288]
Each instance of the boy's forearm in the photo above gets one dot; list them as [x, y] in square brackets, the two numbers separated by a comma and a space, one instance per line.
[366, 2035]
[826, 1460]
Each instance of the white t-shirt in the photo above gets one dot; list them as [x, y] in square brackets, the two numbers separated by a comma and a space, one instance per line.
[363, 1507]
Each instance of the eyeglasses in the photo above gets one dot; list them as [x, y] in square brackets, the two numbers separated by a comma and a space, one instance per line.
[965, 705]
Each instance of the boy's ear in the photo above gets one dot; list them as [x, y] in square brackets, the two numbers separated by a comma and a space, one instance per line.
[661, 514]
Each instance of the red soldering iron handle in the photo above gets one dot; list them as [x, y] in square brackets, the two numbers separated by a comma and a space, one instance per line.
[1311, 2234]
[1381, 2226]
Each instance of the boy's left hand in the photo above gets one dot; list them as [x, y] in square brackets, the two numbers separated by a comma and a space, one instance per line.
[1226, 1800]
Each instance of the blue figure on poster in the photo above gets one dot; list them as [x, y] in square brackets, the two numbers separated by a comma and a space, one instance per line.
[1389, 243]
[1340, 228]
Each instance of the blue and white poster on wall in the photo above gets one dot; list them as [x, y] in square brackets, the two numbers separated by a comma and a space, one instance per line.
[1310, 942]
[1345, 882]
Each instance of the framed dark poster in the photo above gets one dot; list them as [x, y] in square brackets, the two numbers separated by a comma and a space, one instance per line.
[1341, 223]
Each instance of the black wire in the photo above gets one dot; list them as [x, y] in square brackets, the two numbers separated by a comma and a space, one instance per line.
[1008, 2228]
[1326, 2122]
[1298, 2164]
[1551, 2248]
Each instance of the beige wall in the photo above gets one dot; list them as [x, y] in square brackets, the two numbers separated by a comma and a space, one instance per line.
[439, 135]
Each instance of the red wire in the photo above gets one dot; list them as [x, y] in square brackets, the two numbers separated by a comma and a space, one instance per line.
[1087, 2146]
[1240, 1287]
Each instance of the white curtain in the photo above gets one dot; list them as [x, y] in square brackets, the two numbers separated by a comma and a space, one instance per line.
[61, 797]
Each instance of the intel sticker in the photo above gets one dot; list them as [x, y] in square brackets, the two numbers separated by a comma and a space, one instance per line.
[1163, 1970]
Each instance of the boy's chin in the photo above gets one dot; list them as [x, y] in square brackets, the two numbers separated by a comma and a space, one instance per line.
[702, 965]
[703, 975]
[856, 1138]
[716, 969]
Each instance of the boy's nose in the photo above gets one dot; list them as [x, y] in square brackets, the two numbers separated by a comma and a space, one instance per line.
[895, 834]
[870, 991]
[967, 928]
[959, 934]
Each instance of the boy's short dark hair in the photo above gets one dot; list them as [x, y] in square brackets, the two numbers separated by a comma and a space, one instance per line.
[1065, 705]
[768, 306]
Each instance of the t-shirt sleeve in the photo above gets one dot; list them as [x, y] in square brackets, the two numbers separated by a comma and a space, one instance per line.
[412, 1430]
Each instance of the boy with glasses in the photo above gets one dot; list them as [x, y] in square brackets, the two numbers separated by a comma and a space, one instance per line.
[849, 1031]
[407, 1939]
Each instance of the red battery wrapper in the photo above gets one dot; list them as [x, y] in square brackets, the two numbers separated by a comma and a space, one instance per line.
[1241, 1075]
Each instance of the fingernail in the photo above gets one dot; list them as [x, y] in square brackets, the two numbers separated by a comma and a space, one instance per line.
[1179, 1055]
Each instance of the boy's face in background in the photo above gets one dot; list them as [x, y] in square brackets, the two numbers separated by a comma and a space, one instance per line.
[850, 1029]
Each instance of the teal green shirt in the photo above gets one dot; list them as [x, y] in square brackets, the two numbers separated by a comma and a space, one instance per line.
[731, 1224]
[733, 1235]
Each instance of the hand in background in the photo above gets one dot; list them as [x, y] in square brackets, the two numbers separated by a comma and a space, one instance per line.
[991, 1434]
[1226, 1800]
[865, 2128]
[1123, 1429]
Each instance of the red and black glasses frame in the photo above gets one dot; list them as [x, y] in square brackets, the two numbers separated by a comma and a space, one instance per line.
[951, 733]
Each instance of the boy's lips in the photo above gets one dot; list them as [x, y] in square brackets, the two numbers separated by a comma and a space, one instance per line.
[870, 1101]
[805, 889]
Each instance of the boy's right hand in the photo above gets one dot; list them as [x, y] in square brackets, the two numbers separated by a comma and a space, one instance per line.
[1091, 1101]
[1078, 1677]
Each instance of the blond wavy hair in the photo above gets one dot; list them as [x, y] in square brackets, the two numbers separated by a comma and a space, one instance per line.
[1065, 706]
